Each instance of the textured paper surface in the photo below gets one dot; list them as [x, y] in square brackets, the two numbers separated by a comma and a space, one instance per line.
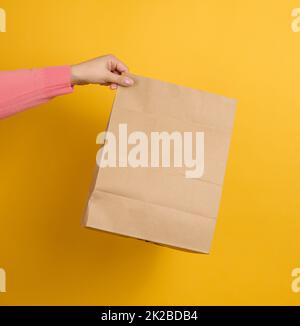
[160, 204]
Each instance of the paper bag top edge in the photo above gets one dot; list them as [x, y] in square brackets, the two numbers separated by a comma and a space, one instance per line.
[178, 102]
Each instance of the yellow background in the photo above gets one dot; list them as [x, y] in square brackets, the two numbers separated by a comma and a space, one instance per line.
[243, 49]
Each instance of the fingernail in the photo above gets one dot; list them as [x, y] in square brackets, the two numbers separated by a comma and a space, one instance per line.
[128, 81]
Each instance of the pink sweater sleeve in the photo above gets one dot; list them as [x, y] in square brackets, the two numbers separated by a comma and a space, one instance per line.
[22, 89]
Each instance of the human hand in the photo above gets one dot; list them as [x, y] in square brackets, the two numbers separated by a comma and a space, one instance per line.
[105, 70]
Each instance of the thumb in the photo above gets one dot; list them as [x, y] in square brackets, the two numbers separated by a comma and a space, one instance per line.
[119, 79]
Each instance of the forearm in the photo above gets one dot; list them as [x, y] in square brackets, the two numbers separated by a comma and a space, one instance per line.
[22, 89]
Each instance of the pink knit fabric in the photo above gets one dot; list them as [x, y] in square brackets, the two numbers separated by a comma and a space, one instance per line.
[22, 89]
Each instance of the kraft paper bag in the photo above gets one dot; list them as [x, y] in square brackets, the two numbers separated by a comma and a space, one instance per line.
[160, 204]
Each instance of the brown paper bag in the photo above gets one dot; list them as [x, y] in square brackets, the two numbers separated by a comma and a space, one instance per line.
[160, 204]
